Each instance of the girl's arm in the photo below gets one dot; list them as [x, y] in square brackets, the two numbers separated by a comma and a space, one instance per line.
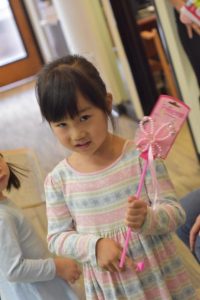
[168, 213]
[63, 239]
[13, 264]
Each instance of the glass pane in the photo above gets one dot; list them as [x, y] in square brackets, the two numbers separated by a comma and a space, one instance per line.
[12, 48]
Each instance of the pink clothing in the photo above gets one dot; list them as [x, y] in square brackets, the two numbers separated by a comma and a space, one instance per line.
[83, 207]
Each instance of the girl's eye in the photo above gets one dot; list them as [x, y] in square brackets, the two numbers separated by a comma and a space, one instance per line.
[84, 118]
[61, 125]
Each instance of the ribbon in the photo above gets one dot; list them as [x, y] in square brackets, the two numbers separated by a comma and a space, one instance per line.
[149, 136]
[151, 141]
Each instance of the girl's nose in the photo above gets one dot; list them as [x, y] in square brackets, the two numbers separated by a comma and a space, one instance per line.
[77, 134]
[79, 137]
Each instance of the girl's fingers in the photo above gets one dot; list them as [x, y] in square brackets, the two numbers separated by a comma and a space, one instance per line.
[132, 199]
[77, 275]
[196, 28]
[136, 212]
[116, 266]
[129, 263]
[193, 233]
[137, 204]
[135, 222]
[111, 268]
[189, 31]
[134, 226]
[133, 219]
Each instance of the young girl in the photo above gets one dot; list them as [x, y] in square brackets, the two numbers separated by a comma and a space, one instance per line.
[25, 272]
[89, 194]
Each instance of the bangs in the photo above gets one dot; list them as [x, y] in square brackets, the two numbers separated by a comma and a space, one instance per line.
[60, 97]
[59, 89]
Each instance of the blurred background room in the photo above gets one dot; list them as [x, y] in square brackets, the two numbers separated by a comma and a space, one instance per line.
[135, 45]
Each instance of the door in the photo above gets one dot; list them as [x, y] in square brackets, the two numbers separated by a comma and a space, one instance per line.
[125, 16]
[19, 55]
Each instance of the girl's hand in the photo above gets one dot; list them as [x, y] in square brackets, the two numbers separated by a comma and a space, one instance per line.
[67, 269]
[195, 28]
[194, 232]
[108, 256]
[190, 26]
[136, 213]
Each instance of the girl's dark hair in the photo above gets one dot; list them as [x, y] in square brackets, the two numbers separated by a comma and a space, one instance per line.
[58, 83]
[14, 180]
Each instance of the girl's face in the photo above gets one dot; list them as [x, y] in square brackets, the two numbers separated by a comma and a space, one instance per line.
[4, 175]
[87, 132]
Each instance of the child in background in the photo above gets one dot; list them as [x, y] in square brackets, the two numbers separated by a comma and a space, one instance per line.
[89, 194]
[25, 271]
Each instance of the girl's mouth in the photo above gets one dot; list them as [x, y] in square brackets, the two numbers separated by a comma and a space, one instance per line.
[83, 145]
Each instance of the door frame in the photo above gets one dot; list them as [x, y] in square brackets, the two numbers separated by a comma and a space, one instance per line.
[32, 63]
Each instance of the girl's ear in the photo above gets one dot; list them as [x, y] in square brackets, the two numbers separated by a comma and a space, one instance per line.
[109, 100]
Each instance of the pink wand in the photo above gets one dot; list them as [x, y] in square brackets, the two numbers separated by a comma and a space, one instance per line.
[140, 265]
[154, 139]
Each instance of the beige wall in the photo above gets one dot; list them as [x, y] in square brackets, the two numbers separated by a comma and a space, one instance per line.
[91, 31]
[86, 33]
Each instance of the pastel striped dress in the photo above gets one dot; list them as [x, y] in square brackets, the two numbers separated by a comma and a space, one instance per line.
[82, 207]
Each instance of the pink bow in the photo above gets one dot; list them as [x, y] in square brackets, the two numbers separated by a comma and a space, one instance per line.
[152, 143]
[148, 137]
